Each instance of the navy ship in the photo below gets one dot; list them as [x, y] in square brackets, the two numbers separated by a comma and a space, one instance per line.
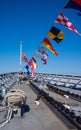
[42, 102]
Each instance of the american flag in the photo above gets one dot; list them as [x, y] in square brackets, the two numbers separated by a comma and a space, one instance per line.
[23, 57]
[63, 20]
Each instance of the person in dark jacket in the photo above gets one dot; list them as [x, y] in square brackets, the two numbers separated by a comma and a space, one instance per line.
[40, 94]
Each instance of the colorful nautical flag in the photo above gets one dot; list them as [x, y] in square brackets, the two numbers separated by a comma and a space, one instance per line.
[56, 34]
[35, 61]
[27, 67]
[32, 66]
[42, 50]
[74, 4]
[48, 44]
[41, 57]
[63, 20]
[45, 55]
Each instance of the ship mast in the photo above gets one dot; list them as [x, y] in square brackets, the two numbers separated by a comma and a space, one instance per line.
[20, 56]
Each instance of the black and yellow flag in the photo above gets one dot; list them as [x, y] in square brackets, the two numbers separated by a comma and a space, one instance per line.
[56, 34]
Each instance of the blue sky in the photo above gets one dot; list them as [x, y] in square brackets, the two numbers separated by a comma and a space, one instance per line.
[29, 21]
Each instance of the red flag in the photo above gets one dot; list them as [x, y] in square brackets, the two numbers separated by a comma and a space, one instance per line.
[32, 66]
[48, 44]
[31, 63]
[63, 20]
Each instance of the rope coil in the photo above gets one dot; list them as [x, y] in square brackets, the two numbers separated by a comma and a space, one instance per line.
[13, 99]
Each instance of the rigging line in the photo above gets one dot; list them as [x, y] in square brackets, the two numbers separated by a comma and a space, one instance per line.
[43, 38]
[63, 7]
[49, 29]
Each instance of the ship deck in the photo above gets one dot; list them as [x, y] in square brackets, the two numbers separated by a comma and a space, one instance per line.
[38, 117]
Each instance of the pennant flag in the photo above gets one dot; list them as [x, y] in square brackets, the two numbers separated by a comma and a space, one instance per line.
[45, 55]
[74, 4]
[42, 54]
[35, 61]
[56, 34]
[32, 66]
[48, 44]
[63, 20]
[42, 50]
[41, 57]
[33, 58]
[24, 58]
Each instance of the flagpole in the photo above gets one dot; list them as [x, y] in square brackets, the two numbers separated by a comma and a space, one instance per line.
[20, 56]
